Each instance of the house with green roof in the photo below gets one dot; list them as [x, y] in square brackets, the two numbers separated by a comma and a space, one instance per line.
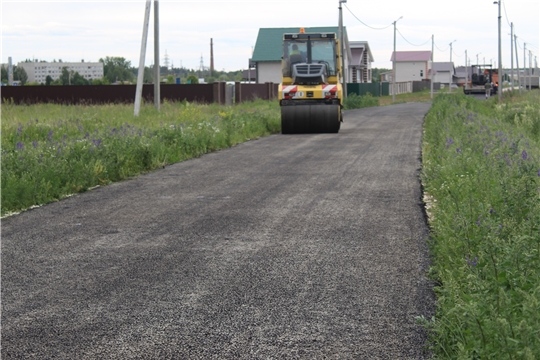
[268, 52]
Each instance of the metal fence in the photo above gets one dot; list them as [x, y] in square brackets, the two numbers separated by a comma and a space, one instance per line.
[221, 92]
[375, 89]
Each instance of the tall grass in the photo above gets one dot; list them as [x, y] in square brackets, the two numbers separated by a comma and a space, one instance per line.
[354, 101]
[51, 151]
[481, 168]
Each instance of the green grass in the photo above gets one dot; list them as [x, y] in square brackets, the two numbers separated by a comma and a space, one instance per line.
[419, 96]
[51, 151]
[353, 101]
[481, 169]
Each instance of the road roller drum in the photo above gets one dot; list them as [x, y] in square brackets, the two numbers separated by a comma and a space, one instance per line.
[319, 118]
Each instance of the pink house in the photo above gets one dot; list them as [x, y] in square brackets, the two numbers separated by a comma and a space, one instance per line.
[411, 65]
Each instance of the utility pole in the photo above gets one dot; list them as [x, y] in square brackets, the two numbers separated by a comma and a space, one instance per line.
[394, 64]
[525, 64]
[451, 49]
[432, 71]
[500, 72]
[157, 79]
[530, 70]
[211, 57]
[342, 48]
[512, 53]
[140, 75]
[517, 63]
[450, 79]
[466, 72]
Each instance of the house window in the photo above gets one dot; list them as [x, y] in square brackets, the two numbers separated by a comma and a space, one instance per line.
[421, 73]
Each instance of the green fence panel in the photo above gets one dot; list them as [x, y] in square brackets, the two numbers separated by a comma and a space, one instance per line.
[375, 89]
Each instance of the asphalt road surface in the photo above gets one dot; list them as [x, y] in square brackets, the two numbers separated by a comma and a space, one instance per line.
[287, 247]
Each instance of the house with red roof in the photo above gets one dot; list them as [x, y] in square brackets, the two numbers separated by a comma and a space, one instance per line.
[411, 65]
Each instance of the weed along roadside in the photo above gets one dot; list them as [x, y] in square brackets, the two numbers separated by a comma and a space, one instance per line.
[50, 151]
[481, 168]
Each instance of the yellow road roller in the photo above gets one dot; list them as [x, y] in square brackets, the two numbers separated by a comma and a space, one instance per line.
[310, 92]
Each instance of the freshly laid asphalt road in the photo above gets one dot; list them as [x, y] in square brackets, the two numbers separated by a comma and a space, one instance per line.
[287, 247]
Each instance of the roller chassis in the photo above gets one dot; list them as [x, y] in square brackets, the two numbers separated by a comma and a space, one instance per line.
[310, 93]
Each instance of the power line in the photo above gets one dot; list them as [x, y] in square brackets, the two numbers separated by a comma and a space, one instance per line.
[440, 49]
[371, 27]
[411, 42]
[453, 52]
[505, 14]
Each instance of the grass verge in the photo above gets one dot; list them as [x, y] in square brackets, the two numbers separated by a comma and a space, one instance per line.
[50, 151]
[481, 165]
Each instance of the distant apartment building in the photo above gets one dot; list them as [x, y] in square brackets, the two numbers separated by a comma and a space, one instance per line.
[38, 71]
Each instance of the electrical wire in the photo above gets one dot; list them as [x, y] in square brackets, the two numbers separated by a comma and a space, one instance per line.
[505, 14]
[440, 49]
[371, 27]
[411, 42]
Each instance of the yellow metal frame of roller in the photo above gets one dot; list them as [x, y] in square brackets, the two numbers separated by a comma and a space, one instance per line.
[317, 90]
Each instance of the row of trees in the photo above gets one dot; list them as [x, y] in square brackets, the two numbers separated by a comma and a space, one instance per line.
[119, 70]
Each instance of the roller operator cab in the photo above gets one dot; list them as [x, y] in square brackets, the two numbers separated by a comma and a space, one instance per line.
[310, 92]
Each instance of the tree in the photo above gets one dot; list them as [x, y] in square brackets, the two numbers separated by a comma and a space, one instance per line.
[20, 74]
[78, 79]
[170, 79]
[102, 81]
[376, 74]
[117, 69]
[4, 74]
[192, 79]
[64, 78]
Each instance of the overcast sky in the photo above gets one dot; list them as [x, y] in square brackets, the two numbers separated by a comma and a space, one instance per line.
[75, 30]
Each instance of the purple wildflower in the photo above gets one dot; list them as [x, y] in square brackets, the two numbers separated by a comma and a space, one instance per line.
[472, 262]
[35, 144]
[20, 146]
[524, 155]
[449, 141]
[538, 173]
[96, 142]
[50, 134]
[458, 150]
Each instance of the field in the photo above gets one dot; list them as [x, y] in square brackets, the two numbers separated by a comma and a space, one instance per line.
[481, 176]
[52, 151]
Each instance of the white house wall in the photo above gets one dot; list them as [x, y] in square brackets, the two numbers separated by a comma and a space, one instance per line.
[442, 77]
[269, 71]
[410, 71]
